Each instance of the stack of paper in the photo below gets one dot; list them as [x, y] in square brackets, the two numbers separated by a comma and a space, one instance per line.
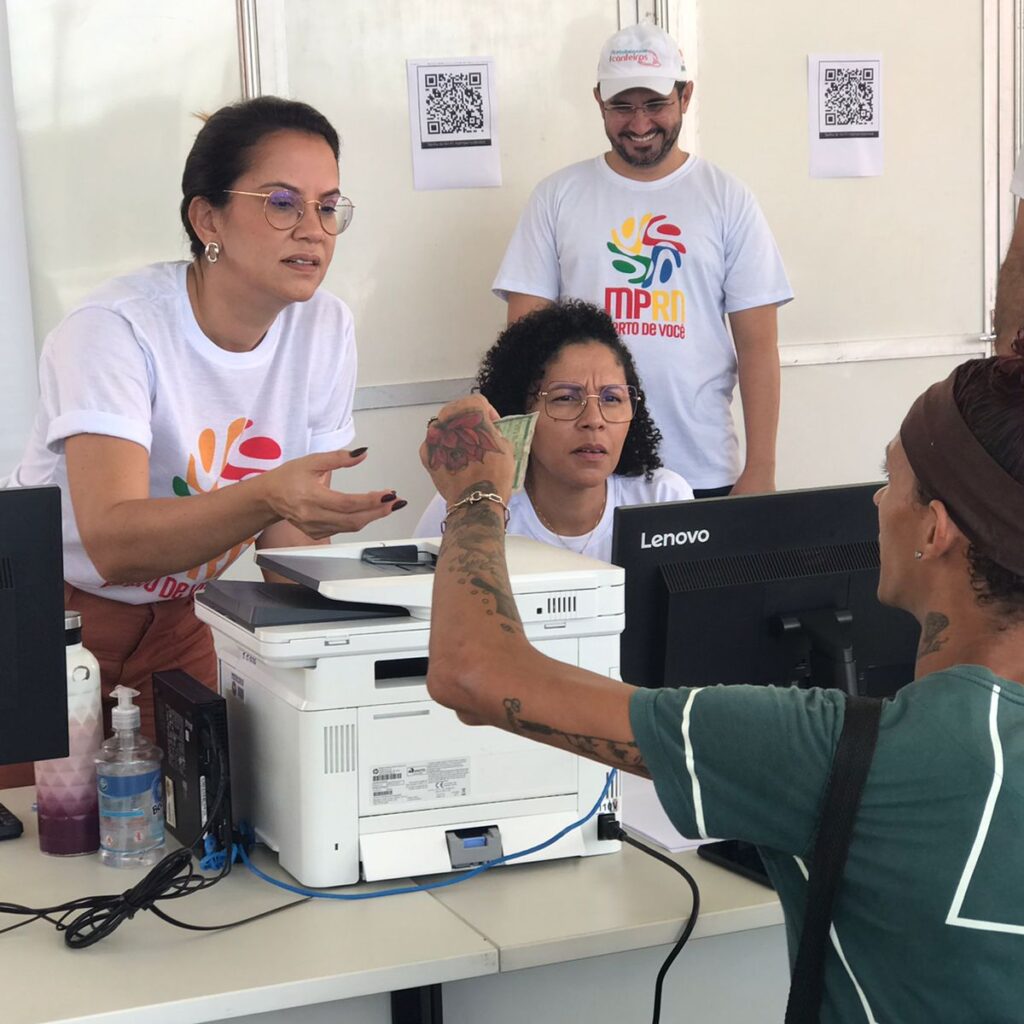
[643, 815]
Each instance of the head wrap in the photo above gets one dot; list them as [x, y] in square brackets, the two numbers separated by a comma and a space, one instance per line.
[984, 501]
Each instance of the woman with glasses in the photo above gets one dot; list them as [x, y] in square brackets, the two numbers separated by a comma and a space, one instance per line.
[194, 407]
[594, 447]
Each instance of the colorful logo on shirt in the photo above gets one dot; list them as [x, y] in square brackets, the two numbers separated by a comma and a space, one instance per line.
[221, 463]
[647, 252]
[221, 460]
[217, 461]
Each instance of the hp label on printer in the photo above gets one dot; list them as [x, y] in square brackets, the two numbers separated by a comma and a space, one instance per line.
[422, 782]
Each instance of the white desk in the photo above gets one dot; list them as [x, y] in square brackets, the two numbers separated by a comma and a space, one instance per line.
[149, 972]
[584, 939]
[574, 933]
[564, 910]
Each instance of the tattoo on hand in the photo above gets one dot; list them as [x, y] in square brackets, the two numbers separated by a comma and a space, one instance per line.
[624, 753]
[454, 443]
[935, 623]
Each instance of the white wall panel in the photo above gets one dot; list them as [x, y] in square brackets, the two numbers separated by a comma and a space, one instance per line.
[417, 266]
[897, 256]
[105, 93]
[17, 352]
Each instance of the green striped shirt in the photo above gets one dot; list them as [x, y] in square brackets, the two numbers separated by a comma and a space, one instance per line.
[929, 919]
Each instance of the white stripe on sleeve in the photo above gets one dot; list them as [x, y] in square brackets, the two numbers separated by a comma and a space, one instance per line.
[698, 803]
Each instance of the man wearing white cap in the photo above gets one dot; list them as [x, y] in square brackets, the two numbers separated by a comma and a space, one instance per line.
[669, 245]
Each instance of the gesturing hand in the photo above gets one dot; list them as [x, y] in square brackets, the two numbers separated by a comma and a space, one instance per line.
[463, 451]
[300, 492]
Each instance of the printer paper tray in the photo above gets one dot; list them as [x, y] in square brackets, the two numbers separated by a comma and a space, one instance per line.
[424, 851]
[457, 815]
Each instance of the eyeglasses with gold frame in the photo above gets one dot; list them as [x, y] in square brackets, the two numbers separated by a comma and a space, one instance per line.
[284, 208]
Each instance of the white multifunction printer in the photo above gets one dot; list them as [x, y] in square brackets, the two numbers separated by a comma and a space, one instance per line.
[340, 760]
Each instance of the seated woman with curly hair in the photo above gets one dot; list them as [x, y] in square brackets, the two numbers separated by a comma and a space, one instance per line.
[595, 446]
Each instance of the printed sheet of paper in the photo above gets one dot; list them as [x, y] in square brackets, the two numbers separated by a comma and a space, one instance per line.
[643, 814]
[453, 121]
[844, 105]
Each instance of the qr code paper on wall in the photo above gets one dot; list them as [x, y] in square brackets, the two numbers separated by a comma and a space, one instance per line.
[454, 106]
[849, 98]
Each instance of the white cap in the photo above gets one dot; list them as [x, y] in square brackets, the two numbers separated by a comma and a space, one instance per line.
[126, 715]
[640, 57]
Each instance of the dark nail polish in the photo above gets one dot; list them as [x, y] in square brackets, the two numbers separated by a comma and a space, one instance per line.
[401, 503]
[390, 496]
[356, 452]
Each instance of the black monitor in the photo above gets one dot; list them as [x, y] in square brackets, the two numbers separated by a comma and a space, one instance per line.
[775, 588]
[33, 673]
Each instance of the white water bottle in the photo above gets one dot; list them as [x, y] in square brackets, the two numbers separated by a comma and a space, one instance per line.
[130, 791]
[66, 786]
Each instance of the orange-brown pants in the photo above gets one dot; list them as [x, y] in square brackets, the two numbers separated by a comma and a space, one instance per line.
[131, 642]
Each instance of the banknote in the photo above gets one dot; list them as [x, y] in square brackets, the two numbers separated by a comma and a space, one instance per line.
[518, 430]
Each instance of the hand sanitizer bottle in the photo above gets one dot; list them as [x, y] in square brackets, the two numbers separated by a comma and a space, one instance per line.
[130, 793]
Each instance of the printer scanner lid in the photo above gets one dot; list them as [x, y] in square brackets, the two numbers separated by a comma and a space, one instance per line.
[371, 574]
[257, 605]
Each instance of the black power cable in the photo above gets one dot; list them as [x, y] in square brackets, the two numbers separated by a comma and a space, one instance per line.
[86, 920]
[613, 830]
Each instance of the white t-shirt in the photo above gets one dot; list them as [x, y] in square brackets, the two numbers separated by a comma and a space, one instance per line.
[664, 485]
[131, 362]
[667, 259]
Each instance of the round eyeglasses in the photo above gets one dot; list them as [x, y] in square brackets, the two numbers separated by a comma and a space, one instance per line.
[565, 401]
[284, 208]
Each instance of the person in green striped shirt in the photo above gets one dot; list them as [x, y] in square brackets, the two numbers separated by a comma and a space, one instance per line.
[928, 923]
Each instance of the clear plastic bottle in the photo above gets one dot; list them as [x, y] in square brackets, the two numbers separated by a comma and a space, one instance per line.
[66, 786]
[130, 792]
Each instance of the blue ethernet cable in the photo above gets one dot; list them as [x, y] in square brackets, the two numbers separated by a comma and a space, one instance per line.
[441, 883]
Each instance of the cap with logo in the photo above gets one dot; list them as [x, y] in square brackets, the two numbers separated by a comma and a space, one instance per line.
[640, 57]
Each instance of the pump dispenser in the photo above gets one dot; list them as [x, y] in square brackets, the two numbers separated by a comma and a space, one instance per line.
[130, 796]
[126, 715]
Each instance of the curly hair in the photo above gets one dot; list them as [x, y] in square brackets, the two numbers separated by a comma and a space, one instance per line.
[513, 369]
[990, 396]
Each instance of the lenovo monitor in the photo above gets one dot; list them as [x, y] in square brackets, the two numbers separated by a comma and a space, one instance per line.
[768, 589]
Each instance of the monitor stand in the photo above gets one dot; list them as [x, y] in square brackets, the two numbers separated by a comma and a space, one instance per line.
[823, 643]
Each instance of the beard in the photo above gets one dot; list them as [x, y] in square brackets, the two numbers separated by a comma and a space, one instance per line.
[660, 146]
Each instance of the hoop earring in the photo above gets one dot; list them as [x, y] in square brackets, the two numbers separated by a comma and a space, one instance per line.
[212, 252]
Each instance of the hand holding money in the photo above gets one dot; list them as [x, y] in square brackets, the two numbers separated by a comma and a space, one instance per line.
[464, 451]
[518, 430]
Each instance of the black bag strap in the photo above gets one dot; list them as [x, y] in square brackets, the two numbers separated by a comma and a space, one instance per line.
[846, 781]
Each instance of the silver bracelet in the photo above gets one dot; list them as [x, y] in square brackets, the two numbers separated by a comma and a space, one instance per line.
[472, 499]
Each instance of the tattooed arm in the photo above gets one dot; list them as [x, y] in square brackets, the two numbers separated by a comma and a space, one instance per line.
[481, 663]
